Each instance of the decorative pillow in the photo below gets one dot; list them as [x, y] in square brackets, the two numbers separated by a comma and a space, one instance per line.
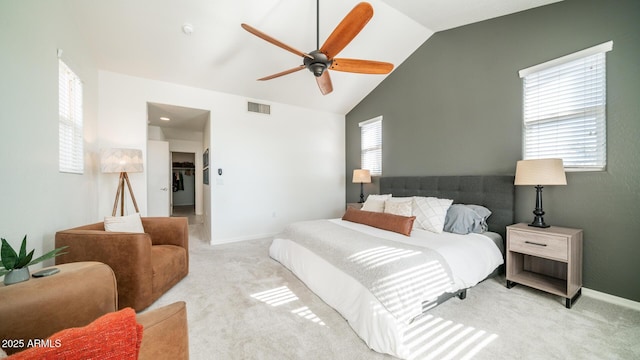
[398, 206]
[115, 335]
[130, 223]
[375, 202]
[396, 223]
[465, 219]
[430, 212]
[484, 212]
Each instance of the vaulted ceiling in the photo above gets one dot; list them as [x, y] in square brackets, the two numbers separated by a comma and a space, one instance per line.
[144, 38]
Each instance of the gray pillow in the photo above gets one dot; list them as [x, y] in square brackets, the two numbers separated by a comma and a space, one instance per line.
[465, 219]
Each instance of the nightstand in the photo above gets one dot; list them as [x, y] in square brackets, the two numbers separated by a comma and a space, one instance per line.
[547, 259]
[356, 206]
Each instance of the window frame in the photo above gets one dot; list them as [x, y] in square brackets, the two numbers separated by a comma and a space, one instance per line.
[70, 121]
[371, 153]
[573, 129]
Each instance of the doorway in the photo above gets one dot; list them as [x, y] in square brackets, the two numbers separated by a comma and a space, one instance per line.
[183, 184]
[181, 134]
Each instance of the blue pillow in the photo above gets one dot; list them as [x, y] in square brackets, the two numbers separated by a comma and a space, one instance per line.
[465, 219]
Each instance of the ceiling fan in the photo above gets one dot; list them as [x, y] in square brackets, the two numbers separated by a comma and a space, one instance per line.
[321, 60]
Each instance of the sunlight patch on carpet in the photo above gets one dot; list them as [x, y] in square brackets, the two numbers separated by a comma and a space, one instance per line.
[306, 313]
[276, 297]
[432, 337]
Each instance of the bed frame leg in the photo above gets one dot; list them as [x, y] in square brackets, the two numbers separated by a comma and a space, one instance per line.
[462, 294]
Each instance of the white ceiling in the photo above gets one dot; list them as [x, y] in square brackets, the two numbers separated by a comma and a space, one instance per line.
[144, 38]
[182, 123]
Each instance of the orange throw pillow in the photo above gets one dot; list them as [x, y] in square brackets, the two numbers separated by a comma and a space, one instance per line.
[396, 223]
[114, 336]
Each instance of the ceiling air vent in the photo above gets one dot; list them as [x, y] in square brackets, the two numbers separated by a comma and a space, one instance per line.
[259, 108]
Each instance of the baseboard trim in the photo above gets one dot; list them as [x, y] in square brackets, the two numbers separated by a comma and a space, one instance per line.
[635, 305]
[240, 238]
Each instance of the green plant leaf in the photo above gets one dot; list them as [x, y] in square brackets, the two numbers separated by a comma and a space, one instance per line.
[23, 249]
[4, 272]
[51, 254]
[8, 255]
[24, 260]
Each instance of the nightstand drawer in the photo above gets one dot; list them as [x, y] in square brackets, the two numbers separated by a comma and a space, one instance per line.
[543, 245]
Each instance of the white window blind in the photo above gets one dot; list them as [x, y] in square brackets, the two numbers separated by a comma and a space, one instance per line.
[564, 109]
[371, 146]
[71, 153]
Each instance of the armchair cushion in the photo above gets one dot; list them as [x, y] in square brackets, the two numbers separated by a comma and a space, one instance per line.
[168, 263]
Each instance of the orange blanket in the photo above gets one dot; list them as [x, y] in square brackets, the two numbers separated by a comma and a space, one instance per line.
[114, 336]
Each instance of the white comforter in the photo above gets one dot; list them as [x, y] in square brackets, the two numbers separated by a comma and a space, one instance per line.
[471, 259]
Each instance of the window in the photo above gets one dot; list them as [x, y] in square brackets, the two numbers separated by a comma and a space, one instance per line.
[70, 148]
[564, 109]
[371, 145]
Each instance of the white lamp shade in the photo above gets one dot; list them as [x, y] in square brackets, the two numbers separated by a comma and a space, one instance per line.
[540, 172]
[361, 176]
[121, 160]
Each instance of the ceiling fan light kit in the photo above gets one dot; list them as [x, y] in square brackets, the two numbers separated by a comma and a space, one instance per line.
[321, 60]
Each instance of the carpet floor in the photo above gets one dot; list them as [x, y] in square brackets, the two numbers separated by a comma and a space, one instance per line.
[242, 304]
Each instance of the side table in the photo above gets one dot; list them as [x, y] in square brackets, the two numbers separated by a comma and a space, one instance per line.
[547, 259]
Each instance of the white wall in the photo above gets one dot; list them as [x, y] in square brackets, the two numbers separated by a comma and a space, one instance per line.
[276, 169]
[37, 200]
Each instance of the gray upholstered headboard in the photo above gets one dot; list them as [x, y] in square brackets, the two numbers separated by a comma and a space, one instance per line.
[497, 193]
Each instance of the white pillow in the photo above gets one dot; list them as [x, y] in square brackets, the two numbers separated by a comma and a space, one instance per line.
[375, 203]
[130, 223]
[430, 213]
[398, 206]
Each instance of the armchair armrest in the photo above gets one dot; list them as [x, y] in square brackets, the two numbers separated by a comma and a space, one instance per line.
[167, 230]
[128, 254]
[165, 334]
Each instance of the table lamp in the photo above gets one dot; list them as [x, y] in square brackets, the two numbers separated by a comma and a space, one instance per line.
[363, 177]
[540, 172]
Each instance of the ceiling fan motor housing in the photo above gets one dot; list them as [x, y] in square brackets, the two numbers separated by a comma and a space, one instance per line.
[318, 64]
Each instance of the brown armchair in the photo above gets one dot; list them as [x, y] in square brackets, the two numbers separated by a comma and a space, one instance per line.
[146, 265]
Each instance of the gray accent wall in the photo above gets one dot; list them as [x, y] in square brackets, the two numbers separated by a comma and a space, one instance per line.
[455, 108]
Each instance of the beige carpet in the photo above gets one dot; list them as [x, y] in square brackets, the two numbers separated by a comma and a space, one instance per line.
[243, 305]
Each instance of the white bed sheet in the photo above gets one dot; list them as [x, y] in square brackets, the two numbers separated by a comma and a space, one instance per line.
[471, 258]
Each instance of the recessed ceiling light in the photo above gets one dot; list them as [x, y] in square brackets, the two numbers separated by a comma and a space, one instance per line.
[187, 28]
[165, 118]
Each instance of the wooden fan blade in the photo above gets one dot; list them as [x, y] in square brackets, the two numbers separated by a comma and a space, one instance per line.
[324, 83]
[348, 28]
[361, 66]
[286, 72]
[275, 42]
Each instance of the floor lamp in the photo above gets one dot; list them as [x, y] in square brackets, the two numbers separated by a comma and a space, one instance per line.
[122, 161]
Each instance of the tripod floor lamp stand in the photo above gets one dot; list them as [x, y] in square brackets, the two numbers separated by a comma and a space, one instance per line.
[122, 161]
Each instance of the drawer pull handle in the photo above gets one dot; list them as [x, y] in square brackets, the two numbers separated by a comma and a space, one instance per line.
[535, 243]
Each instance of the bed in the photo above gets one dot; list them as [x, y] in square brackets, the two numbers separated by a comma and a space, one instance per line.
[382, 281]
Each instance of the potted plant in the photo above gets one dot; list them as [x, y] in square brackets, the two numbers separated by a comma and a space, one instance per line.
[15, 266]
